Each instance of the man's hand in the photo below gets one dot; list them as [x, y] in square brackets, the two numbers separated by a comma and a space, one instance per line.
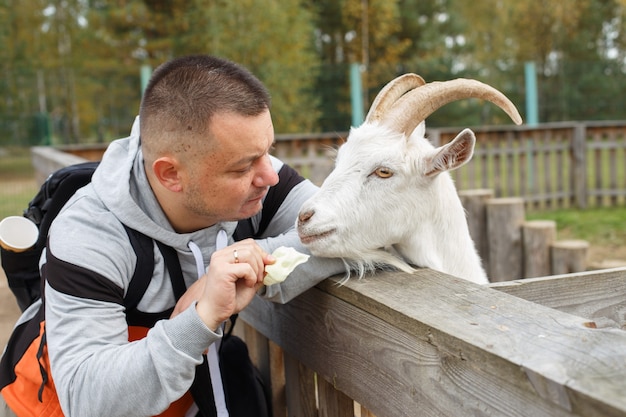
[231, 281]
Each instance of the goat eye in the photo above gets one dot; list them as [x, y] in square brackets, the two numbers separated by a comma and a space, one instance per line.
[383, 172]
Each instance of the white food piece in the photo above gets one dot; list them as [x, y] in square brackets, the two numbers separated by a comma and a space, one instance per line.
[286, 261]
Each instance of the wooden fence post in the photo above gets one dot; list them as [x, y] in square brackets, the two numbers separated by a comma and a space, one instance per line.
[299, 389]
[504, 231]
[277, 380]
[579, 165]
[333, 403]
[537, 236]
[569, 256]
[475, 204]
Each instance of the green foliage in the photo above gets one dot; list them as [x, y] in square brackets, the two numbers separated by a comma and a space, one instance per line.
[76, 63]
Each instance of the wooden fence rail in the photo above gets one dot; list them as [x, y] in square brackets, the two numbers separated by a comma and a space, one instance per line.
[554, 165]
[429, 344]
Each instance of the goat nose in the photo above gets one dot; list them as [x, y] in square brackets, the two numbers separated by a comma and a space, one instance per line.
[304, 216]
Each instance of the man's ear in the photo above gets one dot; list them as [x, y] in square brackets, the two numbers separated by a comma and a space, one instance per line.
[452, 155]
[166, 170]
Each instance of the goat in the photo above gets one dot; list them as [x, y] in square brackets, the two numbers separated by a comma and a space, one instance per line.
[389, 200]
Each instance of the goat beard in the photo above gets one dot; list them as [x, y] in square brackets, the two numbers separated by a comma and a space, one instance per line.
[372, 260]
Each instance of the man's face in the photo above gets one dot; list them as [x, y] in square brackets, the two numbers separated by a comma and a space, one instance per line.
[231, 181]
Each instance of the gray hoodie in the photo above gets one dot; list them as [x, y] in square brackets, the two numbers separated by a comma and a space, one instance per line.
[97, 372]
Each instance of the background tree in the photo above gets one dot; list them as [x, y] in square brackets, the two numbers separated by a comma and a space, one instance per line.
[73, 66]
[280, 51]
[355, 32]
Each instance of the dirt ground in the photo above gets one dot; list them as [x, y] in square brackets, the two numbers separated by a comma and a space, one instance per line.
[606, 256]
[9, 312]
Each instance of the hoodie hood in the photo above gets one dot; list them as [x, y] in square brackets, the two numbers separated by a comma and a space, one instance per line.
[120, 182]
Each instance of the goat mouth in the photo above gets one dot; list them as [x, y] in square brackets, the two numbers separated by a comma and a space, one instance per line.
[307, 239]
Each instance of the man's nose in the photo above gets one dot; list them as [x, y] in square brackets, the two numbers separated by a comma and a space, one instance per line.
[266, 175]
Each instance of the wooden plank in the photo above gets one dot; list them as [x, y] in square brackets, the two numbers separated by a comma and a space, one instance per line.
[333, 403]
[504, 232]
[475, 204]
[258, 349]
[599, 296]
[578, 179]
[398, 343]
[300, 388]
[277, 379]
[537, 236]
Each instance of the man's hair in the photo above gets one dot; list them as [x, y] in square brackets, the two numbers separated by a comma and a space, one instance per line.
[185, 93]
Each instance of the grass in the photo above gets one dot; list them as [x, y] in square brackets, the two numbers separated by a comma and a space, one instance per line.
[599, 226]
[17, 183]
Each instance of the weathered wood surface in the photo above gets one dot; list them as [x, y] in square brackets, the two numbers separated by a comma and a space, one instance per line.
[537, 236]
[504, 233]
[46, 160]
[599, 296]
[430, 344]
[475, 204]
[569, 256]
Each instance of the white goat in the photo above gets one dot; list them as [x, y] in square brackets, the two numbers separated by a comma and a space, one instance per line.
[390, 199]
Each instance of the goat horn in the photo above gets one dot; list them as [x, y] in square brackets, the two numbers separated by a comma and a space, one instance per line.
[416, 105]
[390, 93]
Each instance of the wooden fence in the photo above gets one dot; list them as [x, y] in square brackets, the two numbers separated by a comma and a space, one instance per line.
[429, 344]
[556, 165]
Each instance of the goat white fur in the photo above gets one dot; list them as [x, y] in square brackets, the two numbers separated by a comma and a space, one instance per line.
[389, 199]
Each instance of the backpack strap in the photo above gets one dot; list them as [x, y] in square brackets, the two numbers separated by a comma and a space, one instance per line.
[143, 245]
[173, 266]
[144, 268]
[201, 388]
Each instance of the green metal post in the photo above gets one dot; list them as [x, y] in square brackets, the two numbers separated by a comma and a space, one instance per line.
[356, 94]
[146, 72]
[532, 105]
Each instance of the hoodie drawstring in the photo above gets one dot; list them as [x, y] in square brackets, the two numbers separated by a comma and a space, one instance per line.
[221, 242]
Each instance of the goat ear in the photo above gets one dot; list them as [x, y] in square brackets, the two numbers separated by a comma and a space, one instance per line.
[419, 131]
[452, 155]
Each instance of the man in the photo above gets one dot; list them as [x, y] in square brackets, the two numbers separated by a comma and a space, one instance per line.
[197, 163]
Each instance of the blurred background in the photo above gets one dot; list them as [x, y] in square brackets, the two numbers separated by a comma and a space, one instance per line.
[72, 70]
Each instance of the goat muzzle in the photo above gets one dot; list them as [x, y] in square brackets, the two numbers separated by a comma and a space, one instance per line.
[304, 216]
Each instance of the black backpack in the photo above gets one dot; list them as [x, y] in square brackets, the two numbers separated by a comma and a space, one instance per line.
[22, 268]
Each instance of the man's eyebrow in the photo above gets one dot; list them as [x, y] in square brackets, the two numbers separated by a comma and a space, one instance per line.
[251, 158]
[247, 159]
